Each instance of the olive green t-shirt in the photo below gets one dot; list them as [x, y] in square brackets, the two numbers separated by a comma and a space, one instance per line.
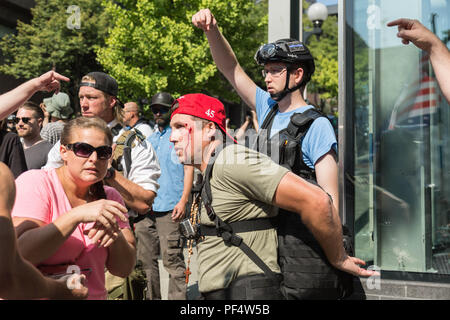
[243, 184]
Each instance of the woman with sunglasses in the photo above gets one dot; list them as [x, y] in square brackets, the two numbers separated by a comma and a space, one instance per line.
[66, 220]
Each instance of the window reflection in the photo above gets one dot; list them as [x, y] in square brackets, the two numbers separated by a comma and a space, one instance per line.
[402, 142]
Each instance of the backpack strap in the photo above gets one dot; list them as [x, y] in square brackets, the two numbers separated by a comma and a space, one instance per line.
[129, 144]
[268, 121]
[224, 230]
[116, 129]
[300, 122]
[262, 141]
[242, 226]
[125, 143]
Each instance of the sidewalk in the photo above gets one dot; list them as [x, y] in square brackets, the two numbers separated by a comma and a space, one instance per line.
[192, 290]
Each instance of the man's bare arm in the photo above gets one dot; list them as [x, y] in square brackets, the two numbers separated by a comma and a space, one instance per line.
[135, 197]
[10, 101]
[318, 214]
[179, 211]
[225, 58]
[413, 31]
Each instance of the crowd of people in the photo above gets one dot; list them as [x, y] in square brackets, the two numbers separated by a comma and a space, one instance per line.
[100, 192]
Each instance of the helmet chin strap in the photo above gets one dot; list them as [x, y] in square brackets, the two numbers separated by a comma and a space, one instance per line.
[280, 95]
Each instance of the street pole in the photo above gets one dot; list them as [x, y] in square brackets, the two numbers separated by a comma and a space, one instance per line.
[295, 19]
[301, 21]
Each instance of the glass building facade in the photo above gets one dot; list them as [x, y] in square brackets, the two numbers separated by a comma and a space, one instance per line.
[394, 138]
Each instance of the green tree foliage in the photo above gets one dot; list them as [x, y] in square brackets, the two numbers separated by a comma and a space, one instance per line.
[53, 40]
[153, 45]
[325, 53]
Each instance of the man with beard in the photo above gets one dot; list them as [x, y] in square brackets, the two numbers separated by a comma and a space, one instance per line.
[29, 121]
[159, 230]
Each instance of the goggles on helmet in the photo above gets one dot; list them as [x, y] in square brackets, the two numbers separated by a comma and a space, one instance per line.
[268, 51]
[289, 52]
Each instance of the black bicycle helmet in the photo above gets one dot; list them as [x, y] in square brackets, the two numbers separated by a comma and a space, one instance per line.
[291, 52]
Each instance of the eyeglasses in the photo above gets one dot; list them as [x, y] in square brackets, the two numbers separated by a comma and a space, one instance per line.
[84, 150]
[275, 72]
[24, 120]
[159, 109]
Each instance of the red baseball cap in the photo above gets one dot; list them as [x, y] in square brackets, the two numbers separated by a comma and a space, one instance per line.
[202, 106]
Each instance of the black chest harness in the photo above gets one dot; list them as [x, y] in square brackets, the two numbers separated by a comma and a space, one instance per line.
[228, 231]
[287, 143]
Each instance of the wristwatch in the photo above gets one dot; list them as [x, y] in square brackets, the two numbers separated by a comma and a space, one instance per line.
[110, 173]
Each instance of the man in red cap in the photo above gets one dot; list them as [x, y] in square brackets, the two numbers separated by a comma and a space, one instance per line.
[238, 257]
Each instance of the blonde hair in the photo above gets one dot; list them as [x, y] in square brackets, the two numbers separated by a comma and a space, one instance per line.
[117, 109]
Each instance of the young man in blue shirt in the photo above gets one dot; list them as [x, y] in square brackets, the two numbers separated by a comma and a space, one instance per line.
[159, 231]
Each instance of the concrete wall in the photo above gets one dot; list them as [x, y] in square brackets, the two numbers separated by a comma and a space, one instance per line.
[280, 19]
[401, 290]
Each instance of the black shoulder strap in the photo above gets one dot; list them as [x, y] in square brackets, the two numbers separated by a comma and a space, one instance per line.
[223, 229]
[268, 121]
[128, 146]
[116, 129]
[127, 151]
[262, 141]
[302, 121]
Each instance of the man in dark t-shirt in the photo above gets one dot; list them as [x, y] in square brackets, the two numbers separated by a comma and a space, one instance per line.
[36, 155]
[29, 121]
[11, 152]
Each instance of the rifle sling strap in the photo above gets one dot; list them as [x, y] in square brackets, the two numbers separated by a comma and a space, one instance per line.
[226, 231]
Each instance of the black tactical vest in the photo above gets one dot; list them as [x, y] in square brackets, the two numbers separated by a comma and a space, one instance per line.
[307, 274]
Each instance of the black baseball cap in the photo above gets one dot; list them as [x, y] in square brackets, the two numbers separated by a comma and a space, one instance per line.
[103, 82]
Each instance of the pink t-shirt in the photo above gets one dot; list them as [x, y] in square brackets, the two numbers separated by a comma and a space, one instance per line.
[40, 195]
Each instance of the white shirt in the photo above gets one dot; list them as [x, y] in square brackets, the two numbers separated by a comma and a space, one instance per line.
[146, 130]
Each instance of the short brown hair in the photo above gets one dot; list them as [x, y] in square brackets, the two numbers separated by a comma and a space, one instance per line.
[32, 106]
[84, 123]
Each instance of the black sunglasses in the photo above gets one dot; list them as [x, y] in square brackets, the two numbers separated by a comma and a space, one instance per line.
[84, 150]
[24, 120]
[159, 109]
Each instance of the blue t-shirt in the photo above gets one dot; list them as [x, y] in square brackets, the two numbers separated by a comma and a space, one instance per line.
[171, 181]
[319, 139]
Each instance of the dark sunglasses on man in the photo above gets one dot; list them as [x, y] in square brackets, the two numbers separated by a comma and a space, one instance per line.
[159, 109]
[24, 120]
[84, 150]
